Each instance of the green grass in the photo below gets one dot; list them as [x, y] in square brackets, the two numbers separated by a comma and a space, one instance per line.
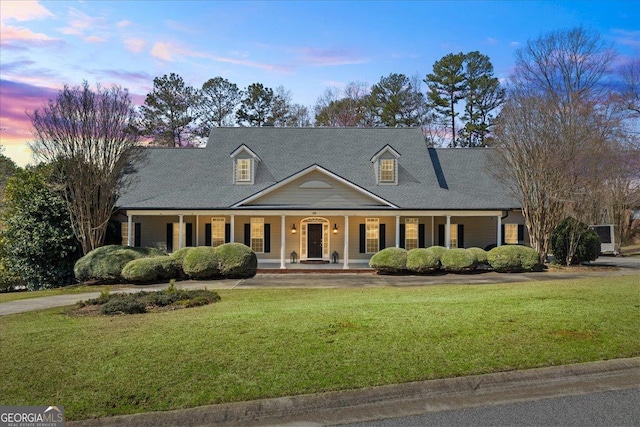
[68, 290]
[267, 343]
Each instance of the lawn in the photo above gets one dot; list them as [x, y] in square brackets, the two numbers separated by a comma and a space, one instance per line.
[78, 289]
[275, 342]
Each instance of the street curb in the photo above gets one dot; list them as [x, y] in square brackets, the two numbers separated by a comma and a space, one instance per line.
[398, 400]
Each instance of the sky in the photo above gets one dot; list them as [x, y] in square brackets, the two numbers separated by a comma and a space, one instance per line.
[305, 46]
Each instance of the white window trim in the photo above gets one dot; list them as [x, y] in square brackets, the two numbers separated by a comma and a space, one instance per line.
[453, 236]
[394, 174]
[124, 232]
[511, 234]
[176, 235]
[258, 223]
[238, 170]
[373, 226]
[411, 227]
[217, 224]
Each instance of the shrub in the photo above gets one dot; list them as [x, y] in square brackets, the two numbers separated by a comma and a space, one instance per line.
[438, 251]
[389, 260]
[123, 303]
[513, 258]
[105, 264]
[237, 261]
[422, 261]
[151, 269]
[181, 253]
[459, 260]
[481, 255]
[201, 263]
[573, 242]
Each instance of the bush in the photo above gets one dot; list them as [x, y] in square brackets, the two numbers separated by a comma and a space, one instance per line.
[105, 264]
[123, 303]
[438, 251]
[422, 261]
[586, 245]
[481, 255]
[201, 263]
[181, 253]
[389, 260]
[459, 260]
[151, 269]
[513, 259]
[237, 261]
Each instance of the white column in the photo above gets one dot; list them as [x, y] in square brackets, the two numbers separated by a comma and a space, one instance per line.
[433, 230]
[345, 257]
[283, 236]
[397, 231]
[129, 230]
[447, 233]
[180, 234]
[232, 227]
[499, 233]
[197, 232]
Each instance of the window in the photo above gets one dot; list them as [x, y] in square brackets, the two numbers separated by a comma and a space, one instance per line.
[511, 234]
[217, 231]
[257, 235]
[125, 233]
[243, 170]
[453, 237]
[176, 235]
[411, 233]
[387, 170]
[372, 235]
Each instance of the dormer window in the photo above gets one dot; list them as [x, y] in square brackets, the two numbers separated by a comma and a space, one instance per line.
[244, 165]
[385, 164]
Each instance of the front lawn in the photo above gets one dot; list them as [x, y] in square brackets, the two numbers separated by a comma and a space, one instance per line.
[66, 290]
[266, 343]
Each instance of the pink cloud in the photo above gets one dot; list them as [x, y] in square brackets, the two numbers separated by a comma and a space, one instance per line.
[134, 45]
[319, 57]
[123, 24]
[82, 25]
[23, 11]
[9, 34]
[628, 38]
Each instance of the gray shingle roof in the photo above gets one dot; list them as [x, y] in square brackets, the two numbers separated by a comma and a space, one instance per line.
[202, 178]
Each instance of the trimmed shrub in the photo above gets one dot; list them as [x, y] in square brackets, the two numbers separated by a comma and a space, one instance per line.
[389, 261]
[513, 259]
[181, 253]
[201, 263]
[151, 269]
[422, 261]
[586, 245]
[438, 251]
[105, 264]
[237, 261]
[123, 303]
[459, 260]
[481, 255]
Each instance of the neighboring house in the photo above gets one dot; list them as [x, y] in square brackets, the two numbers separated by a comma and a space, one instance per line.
[316, 192]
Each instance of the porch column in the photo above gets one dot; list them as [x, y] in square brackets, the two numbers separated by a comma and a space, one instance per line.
[345, 257]
[397, 231]
[232, 227]
[447, 233]
[433, 237]
[499, 233]
[180, 236]
[283, 236]
[129, 230]
[197, 232]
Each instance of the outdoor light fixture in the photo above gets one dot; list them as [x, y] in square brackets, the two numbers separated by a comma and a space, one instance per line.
[293, 229]
[335, 228]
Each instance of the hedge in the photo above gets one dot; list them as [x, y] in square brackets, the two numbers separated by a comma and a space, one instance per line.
[236, 261]
[389, 261]
[438, 251]
[105, 264]
[459, 260]
[201, 262]
[481, 255]
[151, 269]
[422, 260]
[513, 259]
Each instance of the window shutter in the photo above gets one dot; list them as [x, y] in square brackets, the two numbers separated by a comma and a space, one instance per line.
[247, 234]
[227, 233]
[207, 234]
[382, 239]
[189, 231]
[460, 235]
[503, 236]
[137, 239]
[521, 234]
[267, 237]
[421, 236]
[363, 241]
[403, 234]
[169, 237]
[441, 234]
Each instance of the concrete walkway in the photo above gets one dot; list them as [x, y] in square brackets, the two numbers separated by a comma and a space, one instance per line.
[392, 401]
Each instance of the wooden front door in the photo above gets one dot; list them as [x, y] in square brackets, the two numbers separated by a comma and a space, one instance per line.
[314, 241]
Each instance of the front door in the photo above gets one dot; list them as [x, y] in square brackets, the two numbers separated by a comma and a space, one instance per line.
[314, 241]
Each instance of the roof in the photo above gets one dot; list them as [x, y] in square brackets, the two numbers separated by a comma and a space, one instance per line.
[202, 178]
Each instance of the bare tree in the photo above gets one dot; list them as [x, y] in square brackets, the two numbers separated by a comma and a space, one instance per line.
[343, 108]
[217, 103]
[90, 140]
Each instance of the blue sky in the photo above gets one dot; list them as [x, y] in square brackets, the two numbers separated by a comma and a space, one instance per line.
[305, 46]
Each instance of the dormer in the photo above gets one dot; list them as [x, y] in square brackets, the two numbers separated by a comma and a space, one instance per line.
[385, 165]
[245, 162]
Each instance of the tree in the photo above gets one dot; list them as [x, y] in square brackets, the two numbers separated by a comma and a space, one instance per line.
[555, 130]
[343, 108]
[7, 168]
[256, 107]
[217, 102]
[281, 107]
[299, 116]
[573, 242]
[446, 87]
[90, 140]
[38, 241]
[168, 113]
[394, 102]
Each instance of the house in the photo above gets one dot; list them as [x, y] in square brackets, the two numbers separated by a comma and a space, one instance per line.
[322, 193]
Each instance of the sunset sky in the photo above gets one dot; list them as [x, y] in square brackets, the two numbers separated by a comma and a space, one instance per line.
[305, 46]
